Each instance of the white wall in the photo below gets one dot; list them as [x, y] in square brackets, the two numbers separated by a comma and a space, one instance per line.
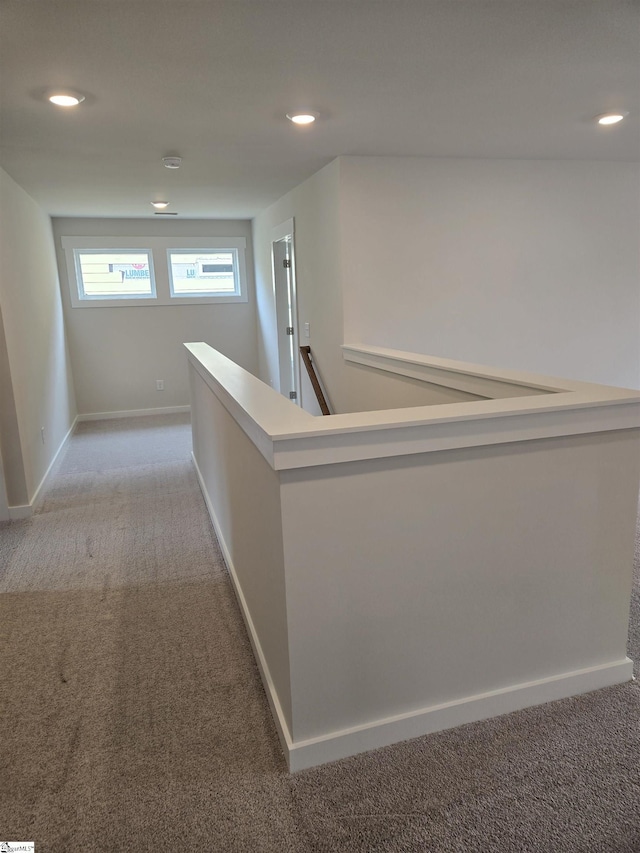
[373, 390]
[9, 434]
[314, 205]
[520, 264]
[391, 610]
[416, 570]
[4, 502]
[243, 494]
[118, 353]
[14, 480]
[36, 384]
[530, 265]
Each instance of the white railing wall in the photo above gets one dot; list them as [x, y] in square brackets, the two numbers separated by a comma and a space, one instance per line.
[407, 570]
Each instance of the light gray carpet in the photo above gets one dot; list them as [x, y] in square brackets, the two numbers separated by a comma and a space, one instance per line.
[133, 717]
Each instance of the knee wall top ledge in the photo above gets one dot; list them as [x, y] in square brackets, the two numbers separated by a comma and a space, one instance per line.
[517, 407]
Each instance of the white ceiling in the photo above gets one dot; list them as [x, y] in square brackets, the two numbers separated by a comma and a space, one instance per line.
[211, 80]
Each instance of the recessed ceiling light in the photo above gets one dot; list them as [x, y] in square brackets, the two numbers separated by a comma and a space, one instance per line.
[611, 118]
[65, 98]
[302, 118]
[160, 205]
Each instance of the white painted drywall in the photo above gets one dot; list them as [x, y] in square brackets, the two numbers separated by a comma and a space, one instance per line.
[243, 494]
[4, 502]
[8, 426]
[521, 264]
[398, 582]
[119, 353]
[531, 265]
[314, 206]
[373, 390]
[37, 386]
[10, 445]
[436, 578]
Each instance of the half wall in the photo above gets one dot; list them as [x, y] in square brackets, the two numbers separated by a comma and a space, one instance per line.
[408, 570]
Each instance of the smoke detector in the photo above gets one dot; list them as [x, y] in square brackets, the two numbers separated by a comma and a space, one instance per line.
[172, 162]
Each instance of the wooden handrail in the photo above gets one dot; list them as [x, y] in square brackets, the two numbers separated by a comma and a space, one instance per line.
[305, 352]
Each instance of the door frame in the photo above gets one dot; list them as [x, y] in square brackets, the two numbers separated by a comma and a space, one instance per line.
[286, 303]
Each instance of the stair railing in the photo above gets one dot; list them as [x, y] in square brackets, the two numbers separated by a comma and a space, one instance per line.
[305, 352]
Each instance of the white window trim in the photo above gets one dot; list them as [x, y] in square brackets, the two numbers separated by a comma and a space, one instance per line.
[91, 297]
[195, 295]
[159, 248]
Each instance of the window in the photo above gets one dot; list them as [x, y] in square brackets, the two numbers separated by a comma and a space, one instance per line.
[203, 272]
[133, 271]
[114, 275]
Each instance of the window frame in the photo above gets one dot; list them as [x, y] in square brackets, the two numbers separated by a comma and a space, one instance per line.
[159, 249]
[94, 297]
[208, 294]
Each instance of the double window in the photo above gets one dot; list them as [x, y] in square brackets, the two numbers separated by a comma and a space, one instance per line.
[114, 271]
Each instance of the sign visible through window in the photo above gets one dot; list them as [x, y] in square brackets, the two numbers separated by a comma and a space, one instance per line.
[203, 272]
[144, 271]
[114, 275]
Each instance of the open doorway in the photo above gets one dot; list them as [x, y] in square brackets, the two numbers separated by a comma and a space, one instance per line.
[284, 287]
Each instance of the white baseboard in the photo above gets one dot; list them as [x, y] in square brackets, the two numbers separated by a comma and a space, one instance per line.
[133, 413]
[382, 732]
[471, 709]
[22, 511]
[270, 690]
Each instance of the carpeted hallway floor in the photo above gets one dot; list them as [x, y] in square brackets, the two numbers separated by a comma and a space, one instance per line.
[133, 717]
